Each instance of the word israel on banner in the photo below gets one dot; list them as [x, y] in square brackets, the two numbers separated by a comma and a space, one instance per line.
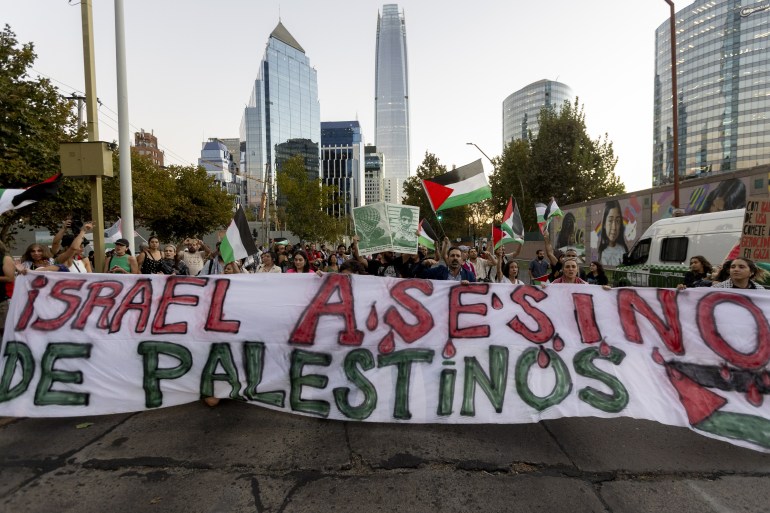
[386, 350]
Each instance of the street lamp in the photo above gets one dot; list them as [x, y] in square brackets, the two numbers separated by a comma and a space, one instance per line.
[674, 106]
[493, 165]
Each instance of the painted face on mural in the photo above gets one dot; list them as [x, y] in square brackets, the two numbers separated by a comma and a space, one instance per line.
[614, 221]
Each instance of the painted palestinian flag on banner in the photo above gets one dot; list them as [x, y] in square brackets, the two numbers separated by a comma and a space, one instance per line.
[238, 242]
[11, 199]
[461, 186]
[545, 213]
[513, 225]
[427, 236]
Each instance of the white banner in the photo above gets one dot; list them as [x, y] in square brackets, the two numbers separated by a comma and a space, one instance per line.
[389, 350]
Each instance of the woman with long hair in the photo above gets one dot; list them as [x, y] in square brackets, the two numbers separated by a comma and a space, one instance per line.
[612, 244]
[596, 274]
[571, 274]
[300, 263]
[149, 259]
[698, 275]
[743, 272]
[72, 255]
[38, 258]
[508, 271]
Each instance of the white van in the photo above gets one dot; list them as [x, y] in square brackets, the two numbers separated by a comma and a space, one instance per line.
[667, 246]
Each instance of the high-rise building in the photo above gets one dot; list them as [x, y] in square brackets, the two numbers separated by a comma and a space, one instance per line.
[282, 118]
[723, 90]
[520, 109]
[342, 162]
[147, 144]
[391, 95]
[219, 163]
[373, 182]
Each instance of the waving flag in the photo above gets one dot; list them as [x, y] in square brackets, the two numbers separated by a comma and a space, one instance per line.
[461, 186]
[547, 212]
[513, 225]
[427, 236]
[238, 242]
[11, 199]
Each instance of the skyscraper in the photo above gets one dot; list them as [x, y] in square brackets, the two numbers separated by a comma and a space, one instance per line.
[282, 118]
[391, 96]
[723, 82]
[520, 109]
[342, 162]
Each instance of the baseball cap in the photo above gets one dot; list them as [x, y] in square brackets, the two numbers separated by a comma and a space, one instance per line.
[122, 242]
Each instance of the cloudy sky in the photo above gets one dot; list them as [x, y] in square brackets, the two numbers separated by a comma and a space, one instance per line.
[191, 65]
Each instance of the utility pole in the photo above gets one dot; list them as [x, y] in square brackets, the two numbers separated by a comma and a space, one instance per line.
[92, 125]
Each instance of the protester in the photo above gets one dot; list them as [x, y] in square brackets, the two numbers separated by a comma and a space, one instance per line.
[453, 271]
[194, 253]
[72, 255]
[170, 264]
[120, 262]
[149, 258]
[720, 272]
[509, 273]
[538, 267]
[698, 275]
[215, 264]
[570, 272]
[7, 278]
[352, 267]
[300, 263]
[743, 272]
[596, 274]
[38, 258]
[268, 264]
[557, 258]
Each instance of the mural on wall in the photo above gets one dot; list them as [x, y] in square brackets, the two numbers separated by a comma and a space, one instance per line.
[711, 197]
[570, 231]
[615, 229]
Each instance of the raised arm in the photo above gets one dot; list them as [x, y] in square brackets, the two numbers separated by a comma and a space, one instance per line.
[56, 242]
[549, 249]
[499, 264]
[76, 243]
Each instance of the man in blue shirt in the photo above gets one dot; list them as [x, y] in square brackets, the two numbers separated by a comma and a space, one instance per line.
[453, 271]
[538, 267]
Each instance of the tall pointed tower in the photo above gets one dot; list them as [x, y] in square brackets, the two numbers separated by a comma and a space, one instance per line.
[391, 98]
[282, 118]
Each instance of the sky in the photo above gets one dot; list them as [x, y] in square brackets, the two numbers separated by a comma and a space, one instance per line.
[191, 66]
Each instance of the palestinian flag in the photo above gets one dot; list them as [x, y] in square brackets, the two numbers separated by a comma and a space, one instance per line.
[547, 212]
[540, 280]
[11, 199]
[461, 186]
[238, 242]
[500, 238]
[427, 236]
[513, 225]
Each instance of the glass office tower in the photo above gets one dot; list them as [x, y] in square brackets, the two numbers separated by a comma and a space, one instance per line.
[723, 97]
[391, 96]
[520, 109]
[342, 161]
[282, 118]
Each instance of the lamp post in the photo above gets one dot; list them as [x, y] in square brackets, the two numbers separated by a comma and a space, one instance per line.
[493, 165]
[674, 107]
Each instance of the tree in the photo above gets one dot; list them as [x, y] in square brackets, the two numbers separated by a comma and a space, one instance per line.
[34, 120]
[454, 222]
[306, 204]
[196, 204]
[511, 171]
[562, 161]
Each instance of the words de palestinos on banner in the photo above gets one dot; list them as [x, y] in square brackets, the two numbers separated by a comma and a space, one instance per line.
[386, 350]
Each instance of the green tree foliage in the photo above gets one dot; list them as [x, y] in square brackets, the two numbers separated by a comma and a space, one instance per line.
[34, 120]
[454, 222]
[307, 202]
[561, 161]
[194, 204]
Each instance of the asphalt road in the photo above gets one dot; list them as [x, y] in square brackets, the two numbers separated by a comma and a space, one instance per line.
[243, 458]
